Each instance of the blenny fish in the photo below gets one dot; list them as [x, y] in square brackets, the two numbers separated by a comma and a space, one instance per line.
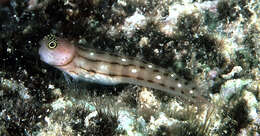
[104, 68]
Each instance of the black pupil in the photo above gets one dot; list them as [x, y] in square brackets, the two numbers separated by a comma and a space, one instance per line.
[52, 44]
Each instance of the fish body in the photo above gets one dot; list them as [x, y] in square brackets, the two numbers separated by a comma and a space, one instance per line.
[104, 68]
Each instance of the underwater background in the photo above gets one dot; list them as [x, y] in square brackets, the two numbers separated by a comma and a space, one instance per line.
[216, 43]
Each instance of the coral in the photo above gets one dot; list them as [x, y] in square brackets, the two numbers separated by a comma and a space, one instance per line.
[148, 104]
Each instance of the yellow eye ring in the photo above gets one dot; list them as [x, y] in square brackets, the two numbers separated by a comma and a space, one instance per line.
[52, 41]
[52, 44]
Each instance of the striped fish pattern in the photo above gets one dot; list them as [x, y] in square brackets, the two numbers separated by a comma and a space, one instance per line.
[104, 68]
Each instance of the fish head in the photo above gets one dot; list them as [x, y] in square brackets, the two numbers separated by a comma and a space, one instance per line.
[56, 51]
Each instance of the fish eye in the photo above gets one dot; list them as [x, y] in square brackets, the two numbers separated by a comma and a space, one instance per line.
[52, 44]
[52, 41]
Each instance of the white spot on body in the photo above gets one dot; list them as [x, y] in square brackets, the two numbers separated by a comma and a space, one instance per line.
[91, 53]
[179, 85]
[150, 66]
[86, 75]
[124, 60]
[103, 67]
[133, 70]
[158, 77]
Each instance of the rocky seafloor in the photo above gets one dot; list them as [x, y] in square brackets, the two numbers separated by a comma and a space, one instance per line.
[216, 43]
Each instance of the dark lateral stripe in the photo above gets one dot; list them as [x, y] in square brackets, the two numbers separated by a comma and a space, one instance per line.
[100, 52]
[139, 78]
[151, 81]
[91, 71]
[145, 62]
[112, 63]
[116, 63]
[112, 75]
[142, 67]
[172, 88]
[131, 58]
[166, 74]
[130, 65]
[156, 70]
[114, 55]
[161, 84]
